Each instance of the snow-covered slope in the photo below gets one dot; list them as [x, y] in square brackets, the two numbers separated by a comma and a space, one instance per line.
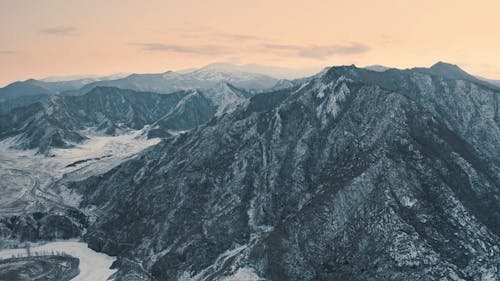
[226, 97]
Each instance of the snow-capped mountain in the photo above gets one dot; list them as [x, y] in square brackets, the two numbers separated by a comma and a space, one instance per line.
[377, 68]
[203, 78]
[272, 71]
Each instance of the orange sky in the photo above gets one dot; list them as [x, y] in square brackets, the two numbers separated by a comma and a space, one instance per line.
[68, 37]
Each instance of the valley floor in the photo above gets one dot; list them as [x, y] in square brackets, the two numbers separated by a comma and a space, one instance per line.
[27, 177]
[28, 182]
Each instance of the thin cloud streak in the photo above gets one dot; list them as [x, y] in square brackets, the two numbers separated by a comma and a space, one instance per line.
[317, 52]
[234, 36]
[320, 52]
[6, 52]
[199, 50]
[59, 31]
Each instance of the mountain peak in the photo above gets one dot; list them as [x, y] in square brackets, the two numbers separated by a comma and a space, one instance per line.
[446, 66]
[450, 70]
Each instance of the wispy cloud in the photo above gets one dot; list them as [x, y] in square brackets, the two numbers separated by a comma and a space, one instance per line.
[59, 31]
[235, 36]
[319, 51]
[174, 48]
[6, 52]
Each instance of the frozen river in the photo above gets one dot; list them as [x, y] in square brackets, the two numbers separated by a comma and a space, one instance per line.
[93, 266]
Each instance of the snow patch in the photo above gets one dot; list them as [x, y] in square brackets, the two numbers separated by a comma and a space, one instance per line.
[243, 274]
[330, 106]
[408, 202]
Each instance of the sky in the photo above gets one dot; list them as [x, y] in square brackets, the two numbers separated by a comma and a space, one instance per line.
[40, 38]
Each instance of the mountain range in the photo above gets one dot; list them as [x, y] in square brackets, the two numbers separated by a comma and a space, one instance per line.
[30, 91]
[349, 174]
[63, 121]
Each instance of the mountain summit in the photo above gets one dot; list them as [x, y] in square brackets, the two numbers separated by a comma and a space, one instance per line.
[450, 70]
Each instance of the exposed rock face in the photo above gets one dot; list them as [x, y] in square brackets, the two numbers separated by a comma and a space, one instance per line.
[352, 175]
[58, 122]
[42, 226]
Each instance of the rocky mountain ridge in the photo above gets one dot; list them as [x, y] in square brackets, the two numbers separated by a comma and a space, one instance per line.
[351, 175]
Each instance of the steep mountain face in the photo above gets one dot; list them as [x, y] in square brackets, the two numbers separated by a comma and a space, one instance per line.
[203, 78]
[352, 175]
[60, 121]
[226, 97]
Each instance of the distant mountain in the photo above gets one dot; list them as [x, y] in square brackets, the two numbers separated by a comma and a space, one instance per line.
[90, 78]
[27, 92]
[203, 78]
[48, 86]
[452, 71]
[28, 88]
[350, 175]
[273, 71]
[210, 79]
[377, 68]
